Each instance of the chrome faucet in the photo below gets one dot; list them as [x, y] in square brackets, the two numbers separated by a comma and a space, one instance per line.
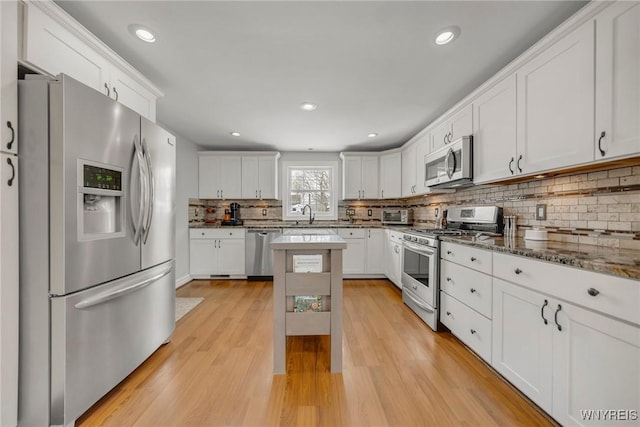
[311, 218]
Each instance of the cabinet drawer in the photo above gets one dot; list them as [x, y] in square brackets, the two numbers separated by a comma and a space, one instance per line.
[615, 296]
[477, 259]
[308, 284]
[217, 233]
[351, 233]
[396, 236]
[310, 323]
[470, 327]
[469, 286]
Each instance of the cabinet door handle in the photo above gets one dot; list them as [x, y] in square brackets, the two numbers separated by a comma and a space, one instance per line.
[260, 192]
[517, 271]
[218, 194]
[116, 92]
[473, 331]
[600, 143]
[13, 172]
[13, 135]
[444, 138]
[450, 136]
[555, 317]
[256, 194]
[593, 292]
[106, 86]
[546, 303]
[473, 258]
[449, 252]
[511, 164]
[472, 290]
[448, 313]
[222, 194]
[518, 163]
[448, 279]
[382, 193]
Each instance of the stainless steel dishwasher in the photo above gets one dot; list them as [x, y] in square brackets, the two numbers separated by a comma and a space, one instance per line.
[258, 254]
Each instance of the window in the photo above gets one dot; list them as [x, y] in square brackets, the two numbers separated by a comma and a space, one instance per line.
[313, 184]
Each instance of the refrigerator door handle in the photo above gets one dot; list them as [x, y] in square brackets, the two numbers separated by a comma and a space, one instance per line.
[108, 296]
[151, 195]
[137, 226]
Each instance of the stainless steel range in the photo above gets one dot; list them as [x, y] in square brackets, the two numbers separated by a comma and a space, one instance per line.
[421, 256]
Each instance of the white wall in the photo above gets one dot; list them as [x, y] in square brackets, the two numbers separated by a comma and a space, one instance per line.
[186, 187]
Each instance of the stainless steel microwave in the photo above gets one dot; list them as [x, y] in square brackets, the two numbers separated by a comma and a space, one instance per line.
[450, 166]
[397, 216]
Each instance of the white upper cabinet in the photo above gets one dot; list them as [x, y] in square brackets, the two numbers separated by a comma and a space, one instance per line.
[259, 176]
[455, 127]
[494, 132]
[54, 43]
[618, 81]
[219, 176]
[9, 77]
[555, 107]
[359, 176]
[409, 170]
[423, 147]
[390, 175]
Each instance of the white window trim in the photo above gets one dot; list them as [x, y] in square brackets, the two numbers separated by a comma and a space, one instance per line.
[294, 164]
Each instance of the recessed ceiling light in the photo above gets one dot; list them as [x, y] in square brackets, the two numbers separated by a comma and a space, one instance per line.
[142, 33]
[372, 135]
[308, 106]
[235, 133]
[447, 35]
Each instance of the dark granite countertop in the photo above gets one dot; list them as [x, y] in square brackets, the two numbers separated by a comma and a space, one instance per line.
[614, 261]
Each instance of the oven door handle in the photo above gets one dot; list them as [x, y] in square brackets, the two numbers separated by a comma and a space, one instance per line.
[419, 249]
[416, 302]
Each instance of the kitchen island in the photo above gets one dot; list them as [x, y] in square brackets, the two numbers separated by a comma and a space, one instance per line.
[307, 291]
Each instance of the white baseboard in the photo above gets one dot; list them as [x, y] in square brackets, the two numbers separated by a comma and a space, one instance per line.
[183, 280]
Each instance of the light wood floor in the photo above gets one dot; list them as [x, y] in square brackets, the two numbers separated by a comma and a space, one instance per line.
[217, 370]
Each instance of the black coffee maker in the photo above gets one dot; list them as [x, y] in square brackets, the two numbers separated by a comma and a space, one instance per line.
[234, 211]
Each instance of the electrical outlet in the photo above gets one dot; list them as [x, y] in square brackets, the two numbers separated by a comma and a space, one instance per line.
[541, 211]
[264, 212]
[197, 212]
[351, 211]
[437, 212]
[369, 212]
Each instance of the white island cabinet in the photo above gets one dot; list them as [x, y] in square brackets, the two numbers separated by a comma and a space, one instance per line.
[307, 267]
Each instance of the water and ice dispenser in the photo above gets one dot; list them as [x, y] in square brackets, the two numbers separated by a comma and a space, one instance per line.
[100, 201]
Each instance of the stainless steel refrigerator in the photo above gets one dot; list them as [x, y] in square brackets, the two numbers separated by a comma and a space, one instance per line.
[97, 285]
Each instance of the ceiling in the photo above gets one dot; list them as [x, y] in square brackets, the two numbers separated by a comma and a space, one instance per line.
[370, 66]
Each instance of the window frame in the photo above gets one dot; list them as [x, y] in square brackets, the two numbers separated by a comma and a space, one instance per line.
[287, 166]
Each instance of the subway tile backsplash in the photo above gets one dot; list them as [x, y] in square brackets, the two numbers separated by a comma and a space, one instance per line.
[596, 208]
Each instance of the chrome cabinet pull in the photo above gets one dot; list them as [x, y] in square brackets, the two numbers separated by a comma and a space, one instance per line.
[473, 258]
[473, 331]
[511, 164]
[449, 252]
[518, 163]
[13, 172]
[546, 303]
[448, 279]
[600, 143]
[517, 271]
[593, 292]
[260, 191]
[13, 135]
[448, 313]
[473, 291]
[555, 317]
[382, 193]
[106, 86]
[116, 92]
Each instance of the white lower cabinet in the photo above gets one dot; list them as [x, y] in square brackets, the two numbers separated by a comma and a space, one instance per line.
[579, 365]
[216, 252]
[374, 254]
[466, 295]
[353, 255]
[393, 257]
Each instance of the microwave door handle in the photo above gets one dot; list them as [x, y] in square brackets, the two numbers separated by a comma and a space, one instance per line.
[447, 161]
[151, 194]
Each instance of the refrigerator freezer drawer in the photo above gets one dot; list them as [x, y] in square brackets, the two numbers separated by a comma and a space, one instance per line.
[101, 335]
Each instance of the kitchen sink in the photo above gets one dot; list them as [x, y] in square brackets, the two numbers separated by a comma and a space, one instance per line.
[306, 231]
